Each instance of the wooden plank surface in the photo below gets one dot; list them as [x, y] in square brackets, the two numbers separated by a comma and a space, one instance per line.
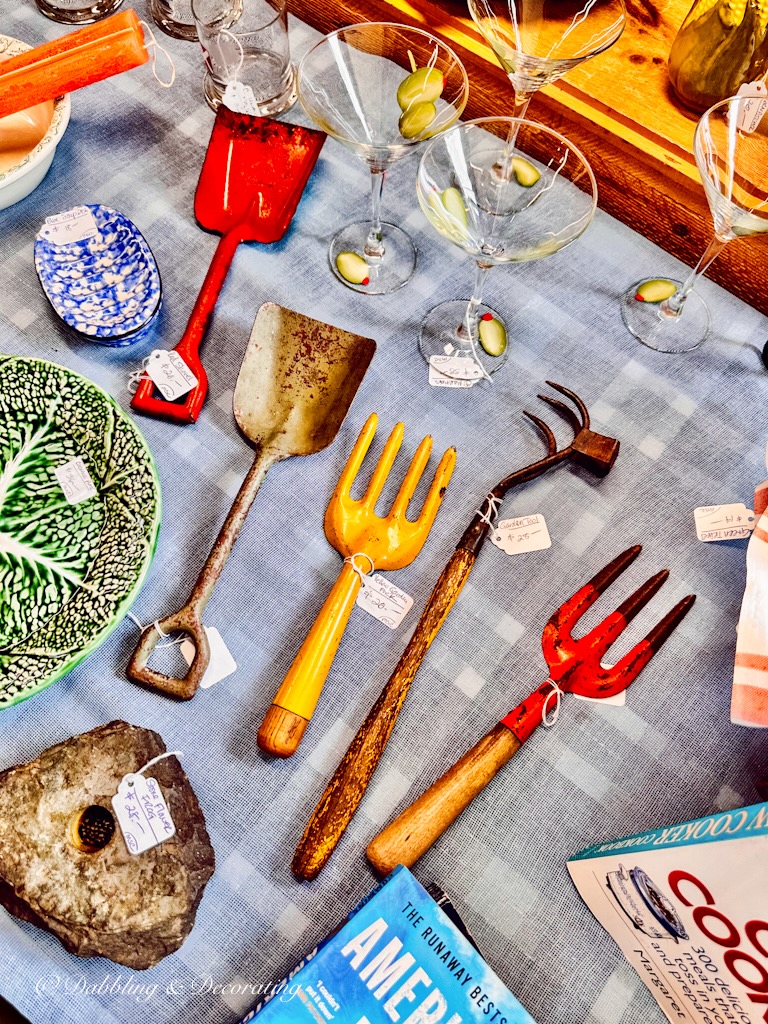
[618, 108]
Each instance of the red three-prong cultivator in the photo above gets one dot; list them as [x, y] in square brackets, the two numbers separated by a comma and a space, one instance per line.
[574, 667]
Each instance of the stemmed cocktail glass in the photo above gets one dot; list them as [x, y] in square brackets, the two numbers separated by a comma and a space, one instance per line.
[380, 89]
[731, 153]
[504, 190]
[539, 41]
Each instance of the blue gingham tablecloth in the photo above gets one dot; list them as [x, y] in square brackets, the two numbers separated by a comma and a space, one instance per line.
[693, 432]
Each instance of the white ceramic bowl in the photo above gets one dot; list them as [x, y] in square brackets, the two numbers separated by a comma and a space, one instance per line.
[21, 179]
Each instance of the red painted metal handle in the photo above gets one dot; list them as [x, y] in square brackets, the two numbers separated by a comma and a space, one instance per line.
[526, 717]
[187, 411]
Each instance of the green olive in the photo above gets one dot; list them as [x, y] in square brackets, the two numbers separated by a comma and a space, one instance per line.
[416, 119]
[525, 172]
[454, 204]
[656, 290]
[423, 86]
[493, 336]
[352, 268]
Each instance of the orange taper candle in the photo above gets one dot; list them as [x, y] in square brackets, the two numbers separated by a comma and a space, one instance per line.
[80, 58]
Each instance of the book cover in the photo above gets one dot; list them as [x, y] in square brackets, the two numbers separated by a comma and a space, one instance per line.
[688, 906]
[397, 958]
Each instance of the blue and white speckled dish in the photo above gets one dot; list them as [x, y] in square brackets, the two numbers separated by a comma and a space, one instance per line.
[106, 287]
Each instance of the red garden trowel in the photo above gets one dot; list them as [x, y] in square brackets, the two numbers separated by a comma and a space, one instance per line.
[252, 179]
[575, 666]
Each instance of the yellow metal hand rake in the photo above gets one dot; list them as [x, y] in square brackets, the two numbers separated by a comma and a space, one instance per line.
[367, 542]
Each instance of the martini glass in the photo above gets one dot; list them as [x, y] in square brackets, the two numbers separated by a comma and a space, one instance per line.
[539, 41]
[355, 85]
[546, 201]
[733, 164]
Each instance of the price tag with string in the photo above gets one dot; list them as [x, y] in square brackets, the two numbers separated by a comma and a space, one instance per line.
[724, 522]
[525, 533]
[75, 225]
[169, 373]
[754, 103]
[384, 601]
[451, 371]
[141, 810]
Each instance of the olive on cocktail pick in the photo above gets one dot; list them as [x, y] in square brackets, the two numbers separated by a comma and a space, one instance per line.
[416, 97]
[416, 119]
[421, 86]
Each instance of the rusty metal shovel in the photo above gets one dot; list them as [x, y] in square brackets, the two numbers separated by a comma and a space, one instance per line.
[296, 383]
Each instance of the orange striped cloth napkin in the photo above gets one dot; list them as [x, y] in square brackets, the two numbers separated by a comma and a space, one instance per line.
[749, 697]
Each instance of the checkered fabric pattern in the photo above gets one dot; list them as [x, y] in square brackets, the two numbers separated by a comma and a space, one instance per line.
[692, 430]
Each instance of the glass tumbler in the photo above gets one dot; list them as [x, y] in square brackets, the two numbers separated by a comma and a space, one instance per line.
[246, 41]
[174, 17]
[77, 12]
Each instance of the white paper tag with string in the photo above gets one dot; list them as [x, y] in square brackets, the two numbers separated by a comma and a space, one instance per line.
[724, 522]
[453, 372]
[525, 533]
[239, 97]
[221, 663]
[754, 103]
[170, 374]
[75, 480]
[383, 600]
[73, 225]
[141, 810]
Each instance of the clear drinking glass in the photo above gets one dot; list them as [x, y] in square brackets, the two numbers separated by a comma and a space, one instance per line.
[504, 190]
[733, 164]
[246, 41]
[359, 85]
[539, 41]
[77, 12]
[174, 17]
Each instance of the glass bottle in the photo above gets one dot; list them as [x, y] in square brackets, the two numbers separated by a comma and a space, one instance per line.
[721, 45]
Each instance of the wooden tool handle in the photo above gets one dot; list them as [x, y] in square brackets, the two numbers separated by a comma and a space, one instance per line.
[186, 621]
[281, 731]
[416, 829]
[350, 780]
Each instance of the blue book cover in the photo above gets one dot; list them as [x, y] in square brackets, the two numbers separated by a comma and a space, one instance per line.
[397, 958]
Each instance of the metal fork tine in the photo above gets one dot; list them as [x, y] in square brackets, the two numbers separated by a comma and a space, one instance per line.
[663, 629]
[628, 609]
[574, 398]
[548, 435]
[569, 613]
[565, 411]
[411, 478]
[384, 465]
[602, 580]
[358, 453]
[632, 664]
[605, 633]
[437, 489]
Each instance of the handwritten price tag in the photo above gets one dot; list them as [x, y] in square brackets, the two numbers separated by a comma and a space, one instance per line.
[753, 104]
[239, 97]
[723, 522]
[526, 533]
[384, 601]
[73, 225]
[171, 375]
[142, 813]
[453, 372]
[74, 479]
